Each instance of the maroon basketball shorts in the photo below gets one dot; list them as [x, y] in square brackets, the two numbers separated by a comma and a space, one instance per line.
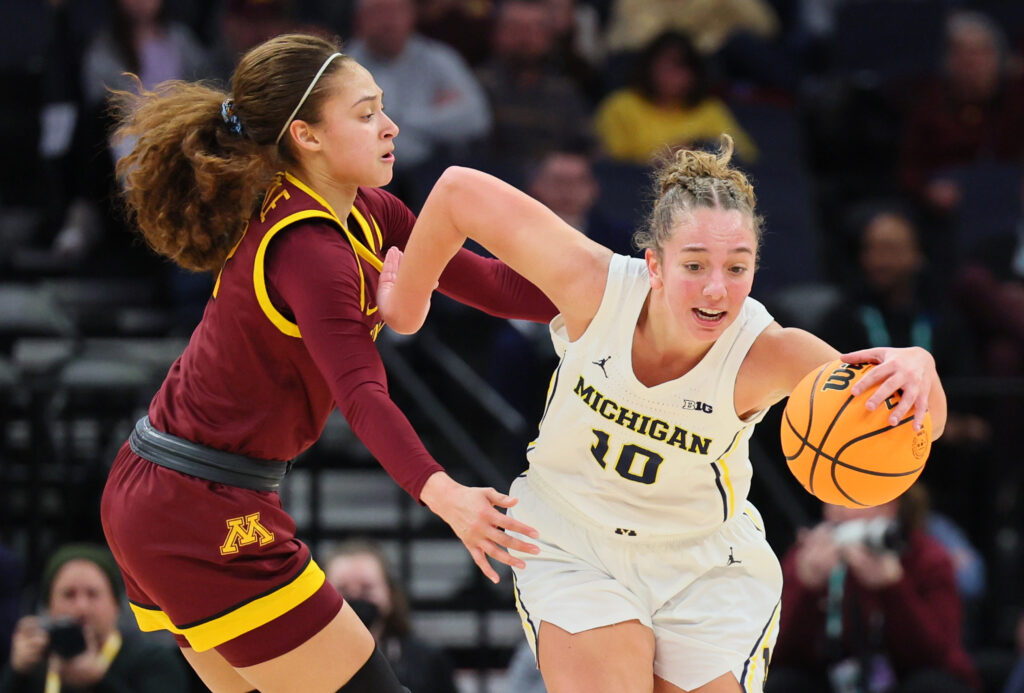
[217, 565]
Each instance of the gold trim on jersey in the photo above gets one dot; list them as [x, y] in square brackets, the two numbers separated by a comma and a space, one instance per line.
[759, 654]
[208, 634]
[730, 501]
[216, 285]
[259, 279]
[368, 254]
[524, 617]
[364, 227]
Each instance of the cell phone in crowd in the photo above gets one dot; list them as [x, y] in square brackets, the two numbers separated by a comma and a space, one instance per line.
[66, 637]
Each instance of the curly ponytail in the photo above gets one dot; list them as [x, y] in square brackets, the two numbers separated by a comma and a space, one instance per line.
[695, 179]
[190, 182]
[201, 159]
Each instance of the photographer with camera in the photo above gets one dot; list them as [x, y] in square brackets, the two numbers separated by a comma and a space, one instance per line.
[870, 605]
[76, 646]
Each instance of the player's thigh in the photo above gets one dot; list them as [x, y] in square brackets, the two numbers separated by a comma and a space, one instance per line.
[726, 683]
[216, 673]
[609, 659]
[322, 664]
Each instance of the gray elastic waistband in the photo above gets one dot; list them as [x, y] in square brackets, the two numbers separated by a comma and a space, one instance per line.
[200, 461]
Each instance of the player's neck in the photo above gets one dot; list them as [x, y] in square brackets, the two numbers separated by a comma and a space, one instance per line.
[661, 352]
[340, 196]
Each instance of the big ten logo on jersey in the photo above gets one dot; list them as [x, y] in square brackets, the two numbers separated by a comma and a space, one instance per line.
[244, 531]
[274, 194]
[689, 404]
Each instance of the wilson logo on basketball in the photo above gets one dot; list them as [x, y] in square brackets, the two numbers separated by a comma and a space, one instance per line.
[243, 531]
[841, 377]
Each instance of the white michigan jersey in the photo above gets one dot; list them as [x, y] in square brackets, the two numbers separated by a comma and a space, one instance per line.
[644, 461]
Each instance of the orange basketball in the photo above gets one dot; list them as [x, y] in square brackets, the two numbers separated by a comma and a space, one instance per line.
[841, 452]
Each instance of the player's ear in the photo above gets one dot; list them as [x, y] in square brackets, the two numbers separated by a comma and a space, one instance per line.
[303, 135]
[653, 268]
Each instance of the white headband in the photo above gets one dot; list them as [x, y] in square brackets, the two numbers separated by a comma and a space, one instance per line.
[305, 96]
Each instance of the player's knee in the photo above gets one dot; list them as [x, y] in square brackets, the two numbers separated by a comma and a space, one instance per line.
[376, 676]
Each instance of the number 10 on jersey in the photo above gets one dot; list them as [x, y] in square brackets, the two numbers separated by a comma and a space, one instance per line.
[634, 463]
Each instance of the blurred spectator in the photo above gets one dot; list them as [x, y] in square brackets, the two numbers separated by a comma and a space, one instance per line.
[137, 40]
[245, 23]
[577, 26]
[536, 107]
[742, 37]
[77, 646]
[869, 603]
[94, 239]
[579, 45]
[563, 179]
[465, 25]
[362, 574]
[890, 303]
[667, 105]
[635, 23]
[429, 91]
[971, 113]
[989, 287]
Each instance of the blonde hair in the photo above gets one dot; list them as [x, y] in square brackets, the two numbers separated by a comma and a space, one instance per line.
[694, 179]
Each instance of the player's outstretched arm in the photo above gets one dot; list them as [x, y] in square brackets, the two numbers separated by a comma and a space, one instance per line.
[563, 263]
[911, 370]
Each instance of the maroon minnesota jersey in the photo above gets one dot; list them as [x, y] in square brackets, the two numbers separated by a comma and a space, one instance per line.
[289, 333]
[246, 383]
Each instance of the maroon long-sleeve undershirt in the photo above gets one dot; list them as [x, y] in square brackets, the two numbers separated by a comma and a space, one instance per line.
[312, 275]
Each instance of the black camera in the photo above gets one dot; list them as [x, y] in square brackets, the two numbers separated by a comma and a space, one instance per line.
[66, 637]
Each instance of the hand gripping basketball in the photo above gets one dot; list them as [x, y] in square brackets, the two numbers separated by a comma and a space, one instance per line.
[842, 452]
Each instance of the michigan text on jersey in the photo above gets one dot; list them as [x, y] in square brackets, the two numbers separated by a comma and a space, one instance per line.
[656, 429]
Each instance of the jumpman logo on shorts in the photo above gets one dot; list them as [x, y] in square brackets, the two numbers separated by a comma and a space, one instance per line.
[601, 364]
[732, 560]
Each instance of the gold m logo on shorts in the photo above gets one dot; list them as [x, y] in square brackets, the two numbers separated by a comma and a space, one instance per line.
[243, 531]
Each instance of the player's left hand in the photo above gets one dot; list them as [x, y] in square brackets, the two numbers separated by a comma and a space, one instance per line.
[909, 371]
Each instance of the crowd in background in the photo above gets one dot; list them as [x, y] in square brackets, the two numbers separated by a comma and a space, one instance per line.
[885, 139]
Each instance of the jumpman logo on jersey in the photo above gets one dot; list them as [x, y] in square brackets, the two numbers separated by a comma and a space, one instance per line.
[601, 364]
[732, 560]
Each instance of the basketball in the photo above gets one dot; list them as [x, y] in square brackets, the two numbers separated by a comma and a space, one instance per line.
[842, 453]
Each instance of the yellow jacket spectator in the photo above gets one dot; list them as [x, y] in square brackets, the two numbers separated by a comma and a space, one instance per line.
[668, 106]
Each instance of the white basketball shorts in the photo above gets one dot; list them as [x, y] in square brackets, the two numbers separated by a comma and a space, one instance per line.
[712, 602]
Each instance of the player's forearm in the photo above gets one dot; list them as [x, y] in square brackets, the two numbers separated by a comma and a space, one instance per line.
[432, 244]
